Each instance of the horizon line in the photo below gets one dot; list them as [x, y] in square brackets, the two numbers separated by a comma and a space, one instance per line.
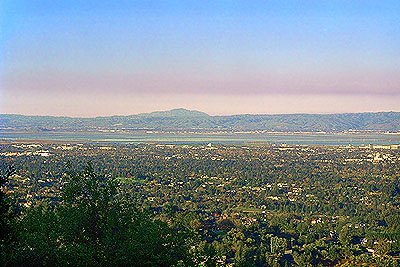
[193, 110]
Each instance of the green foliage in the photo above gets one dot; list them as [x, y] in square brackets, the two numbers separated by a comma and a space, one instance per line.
[345, 236]
[257, 205]
[6, 216]
[278, 245]
[38, 237]
[94, 227]
[242, 255]
[5, 213]
[393, 222]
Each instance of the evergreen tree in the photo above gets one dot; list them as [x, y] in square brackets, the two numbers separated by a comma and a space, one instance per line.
[95, 226]
[6, 216]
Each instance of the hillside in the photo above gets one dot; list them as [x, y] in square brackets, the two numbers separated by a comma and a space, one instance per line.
[182, 119]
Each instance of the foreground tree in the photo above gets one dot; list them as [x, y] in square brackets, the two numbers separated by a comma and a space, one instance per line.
[6, 216]
[95, 226]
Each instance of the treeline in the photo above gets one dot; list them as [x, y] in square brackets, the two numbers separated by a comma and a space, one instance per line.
[97, 223]
[225, 205]
[92, 225]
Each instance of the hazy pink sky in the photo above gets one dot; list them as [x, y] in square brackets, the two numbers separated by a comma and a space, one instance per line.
[223, 57]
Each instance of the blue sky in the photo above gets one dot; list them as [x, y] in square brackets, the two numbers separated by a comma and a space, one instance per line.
[120, 55]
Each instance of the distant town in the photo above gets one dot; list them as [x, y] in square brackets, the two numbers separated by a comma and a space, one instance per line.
[328, 202]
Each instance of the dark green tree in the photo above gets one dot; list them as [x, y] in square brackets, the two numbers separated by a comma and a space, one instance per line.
[6, 217]
[5, 205]
[95, 226]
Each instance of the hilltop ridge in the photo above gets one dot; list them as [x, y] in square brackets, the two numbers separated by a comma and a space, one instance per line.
[183, 119]
[178, 112]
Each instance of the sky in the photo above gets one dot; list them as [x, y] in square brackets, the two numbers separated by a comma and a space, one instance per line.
[98, 58]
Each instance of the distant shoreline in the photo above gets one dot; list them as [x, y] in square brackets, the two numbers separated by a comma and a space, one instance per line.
[356, 139]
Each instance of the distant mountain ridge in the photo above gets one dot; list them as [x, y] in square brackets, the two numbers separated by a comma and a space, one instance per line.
[178, 112]
[183, 119]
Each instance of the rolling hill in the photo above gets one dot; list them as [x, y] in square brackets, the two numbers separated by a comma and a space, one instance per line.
[182, 119]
